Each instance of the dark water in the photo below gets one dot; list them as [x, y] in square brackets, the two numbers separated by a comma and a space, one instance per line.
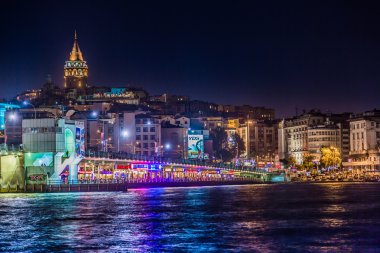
[258, 218]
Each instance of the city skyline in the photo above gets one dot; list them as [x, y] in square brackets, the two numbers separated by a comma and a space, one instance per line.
[219, 57]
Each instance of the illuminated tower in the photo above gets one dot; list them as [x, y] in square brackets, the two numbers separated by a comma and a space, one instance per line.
[76, 70]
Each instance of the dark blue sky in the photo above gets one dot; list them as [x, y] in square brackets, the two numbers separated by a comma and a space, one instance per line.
[280, 54]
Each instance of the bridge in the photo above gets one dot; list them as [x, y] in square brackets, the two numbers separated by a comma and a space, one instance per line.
[132, 169]
[96, 173]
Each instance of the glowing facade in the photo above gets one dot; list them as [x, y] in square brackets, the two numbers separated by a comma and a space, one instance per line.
[75, 69]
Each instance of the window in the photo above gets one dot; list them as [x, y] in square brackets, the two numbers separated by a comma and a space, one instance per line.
[138, 129]
[145, 137]
[145, 129]
[152, 145]
[152, 137]
[145, 145]
[153, 129]
[138, 137]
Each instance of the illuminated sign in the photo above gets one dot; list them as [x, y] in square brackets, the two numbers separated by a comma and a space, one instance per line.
[37, 177]
[123, 166]
[84, 172]
[195, 146]
[155, 167]
[79, 138]
[140, 166]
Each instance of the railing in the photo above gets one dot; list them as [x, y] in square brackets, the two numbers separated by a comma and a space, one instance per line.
[127, 156]
[151, 180]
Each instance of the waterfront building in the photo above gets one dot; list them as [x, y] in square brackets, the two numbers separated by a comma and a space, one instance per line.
[306, 134]
[364, 141]
[13, 123]
[53, 148]
[324, 135]
[260, 139]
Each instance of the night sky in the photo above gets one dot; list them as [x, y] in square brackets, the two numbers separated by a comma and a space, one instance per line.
[284, 54]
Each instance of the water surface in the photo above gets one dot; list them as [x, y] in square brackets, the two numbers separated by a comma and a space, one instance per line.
[257, 218]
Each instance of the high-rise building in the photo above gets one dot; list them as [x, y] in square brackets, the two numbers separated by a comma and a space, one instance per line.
[75, 71]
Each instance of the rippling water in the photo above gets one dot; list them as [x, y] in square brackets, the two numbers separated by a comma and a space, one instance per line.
[262, 218]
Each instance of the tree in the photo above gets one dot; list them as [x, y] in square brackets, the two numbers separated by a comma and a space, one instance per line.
[220, 144]
[307, 161]
[237, 147]
[226, 148]
[290, 162]
[330, 156]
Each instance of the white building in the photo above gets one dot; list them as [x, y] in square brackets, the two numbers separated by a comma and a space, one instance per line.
[365, 141]
[307, 133]
[53, 147]
[148, 136]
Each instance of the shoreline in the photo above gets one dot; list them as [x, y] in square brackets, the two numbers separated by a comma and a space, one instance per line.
[113, 187]
[65, 188]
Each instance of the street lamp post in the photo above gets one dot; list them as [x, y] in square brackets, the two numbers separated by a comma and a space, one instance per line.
[12, 117]
[34, 108]
[123, 134]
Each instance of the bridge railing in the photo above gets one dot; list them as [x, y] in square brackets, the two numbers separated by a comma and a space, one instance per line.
[151, 180]
[158, 159]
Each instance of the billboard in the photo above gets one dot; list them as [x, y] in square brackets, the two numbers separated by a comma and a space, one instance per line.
[79, 138]
[195, 146]
[39, 159]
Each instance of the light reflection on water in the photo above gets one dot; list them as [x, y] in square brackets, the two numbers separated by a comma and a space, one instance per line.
[264, 218]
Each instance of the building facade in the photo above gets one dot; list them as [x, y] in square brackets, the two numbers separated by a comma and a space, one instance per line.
[364, 141]
[260, 139]
[307, 133]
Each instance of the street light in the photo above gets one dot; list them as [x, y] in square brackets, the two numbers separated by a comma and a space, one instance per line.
[11, 117]
[124, 134]
[94, 114]
[26, 103]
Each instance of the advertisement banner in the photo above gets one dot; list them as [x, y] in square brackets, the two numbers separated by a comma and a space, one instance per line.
[39, 159]
[79, 138]
[195, 146]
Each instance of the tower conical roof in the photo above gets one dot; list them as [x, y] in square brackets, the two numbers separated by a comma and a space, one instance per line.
[76, 54]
